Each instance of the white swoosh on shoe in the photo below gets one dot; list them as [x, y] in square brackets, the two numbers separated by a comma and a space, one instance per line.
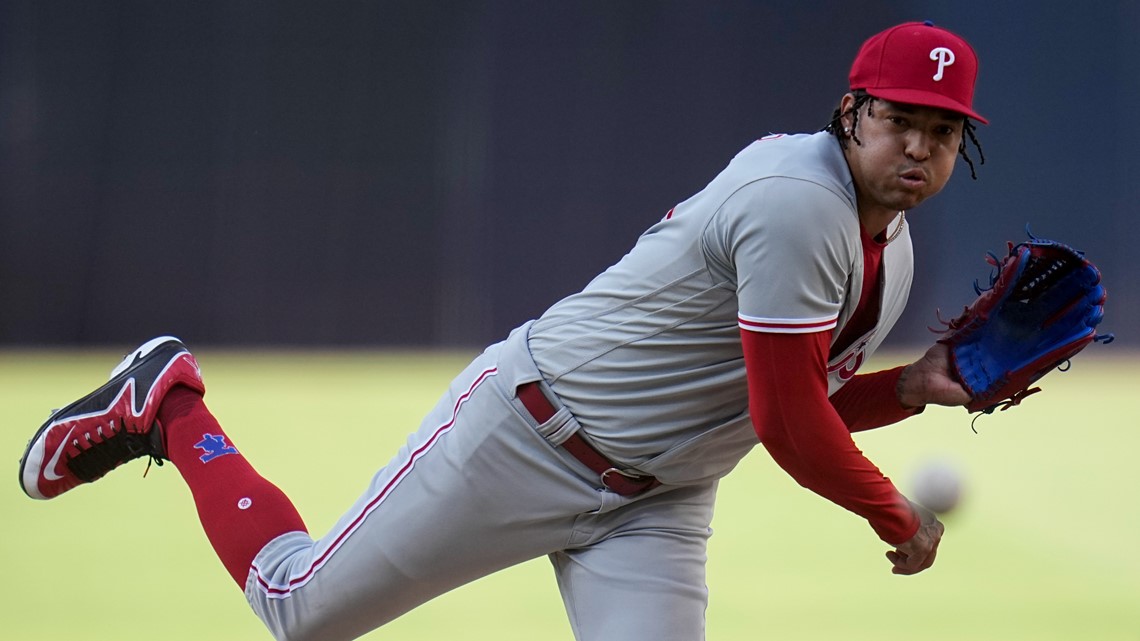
[49, 469]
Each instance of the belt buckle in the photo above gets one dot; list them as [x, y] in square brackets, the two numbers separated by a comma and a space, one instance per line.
[614, 470]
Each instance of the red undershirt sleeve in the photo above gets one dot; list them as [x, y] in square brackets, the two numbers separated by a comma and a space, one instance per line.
[870, 400]
[804, 434]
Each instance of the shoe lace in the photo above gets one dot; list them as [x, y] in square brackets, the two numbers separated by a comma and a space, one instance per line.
[102, 451]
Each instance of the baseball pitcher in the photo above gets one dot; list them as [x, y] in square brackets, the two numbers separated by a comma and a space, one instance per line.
[596, 434]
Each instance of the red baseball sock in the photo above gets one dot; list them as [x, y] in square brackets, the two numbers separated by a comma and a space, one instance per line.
[240, 510]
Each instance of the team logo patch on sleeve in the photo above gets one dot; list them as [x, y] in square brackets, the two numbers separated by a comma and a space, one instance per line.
[214, 446]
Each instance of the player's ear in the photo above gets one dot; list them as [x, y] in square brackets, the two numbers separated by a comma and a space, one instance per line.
[846, 112]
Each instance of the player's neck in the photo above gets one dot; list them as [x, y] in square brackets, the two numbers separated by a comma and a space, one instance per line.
[876, 220]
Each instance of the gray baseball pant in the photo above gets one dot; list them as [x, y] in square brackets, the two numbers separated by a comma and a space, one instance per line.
[480, 487]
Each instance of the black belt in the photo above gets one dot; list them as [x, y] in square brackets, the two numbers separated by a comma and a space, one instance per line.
[610, 476]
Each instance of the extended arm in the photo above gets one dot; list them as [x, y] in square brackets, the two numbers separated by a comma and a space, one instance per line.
[806, 436]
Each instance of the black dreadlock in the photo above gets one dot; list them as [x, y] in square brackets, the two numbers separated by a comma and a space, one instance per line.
[835, 127]
[969, 128]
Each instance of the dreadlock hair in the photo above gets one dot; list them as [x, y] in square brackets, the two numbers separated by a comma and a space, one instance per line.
[835, 127]
[969, 128]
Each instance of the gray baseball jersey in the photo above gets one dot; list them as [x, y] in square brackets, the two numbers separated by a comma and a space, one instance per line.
[648, 355]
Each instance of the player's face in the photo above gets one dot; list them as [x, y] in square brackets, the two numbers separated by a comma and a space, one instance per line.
[906, 155]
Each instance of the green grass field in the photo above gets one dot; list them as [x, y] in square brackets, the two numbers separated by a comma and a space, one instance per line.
[1044, 547]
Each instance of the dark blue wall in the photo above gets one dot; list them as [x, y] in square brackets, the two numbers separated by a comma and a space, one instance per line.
[435, 172]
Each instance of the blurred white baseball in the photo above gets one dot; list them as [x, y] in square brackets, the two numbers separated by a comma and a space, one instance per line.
[937, 486]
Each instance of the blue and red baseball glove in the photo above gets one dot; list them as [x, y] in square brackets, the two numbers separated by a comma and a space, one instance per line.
[1043, 305]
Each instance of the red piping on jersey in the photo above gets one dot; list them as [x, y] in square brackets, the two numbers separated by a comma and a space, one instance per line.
[300, 581]
[773, 325]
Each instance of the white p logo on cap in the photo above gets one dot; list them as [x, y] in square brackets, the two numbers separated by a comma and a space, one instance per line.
[944, 57]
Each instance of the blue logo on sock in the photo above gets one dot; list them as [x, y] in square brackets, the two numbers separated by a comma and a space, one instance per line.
[214, 446]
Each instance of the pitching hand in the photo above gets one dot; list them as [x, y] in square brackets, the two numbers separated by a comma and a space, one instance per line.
[918, 553]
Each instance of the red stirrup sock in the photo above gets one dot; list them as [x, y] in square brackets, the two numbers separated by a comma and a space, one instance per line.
[240, 511]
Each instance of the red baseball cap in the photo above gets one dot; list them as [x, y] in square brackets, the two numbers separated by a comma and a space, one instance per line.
[919, 64]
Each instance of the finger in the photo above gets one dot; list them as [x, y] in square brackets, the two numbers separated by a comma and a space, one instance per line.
[917, 564]
[906, 569]
[899, 562]
[909, 564]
